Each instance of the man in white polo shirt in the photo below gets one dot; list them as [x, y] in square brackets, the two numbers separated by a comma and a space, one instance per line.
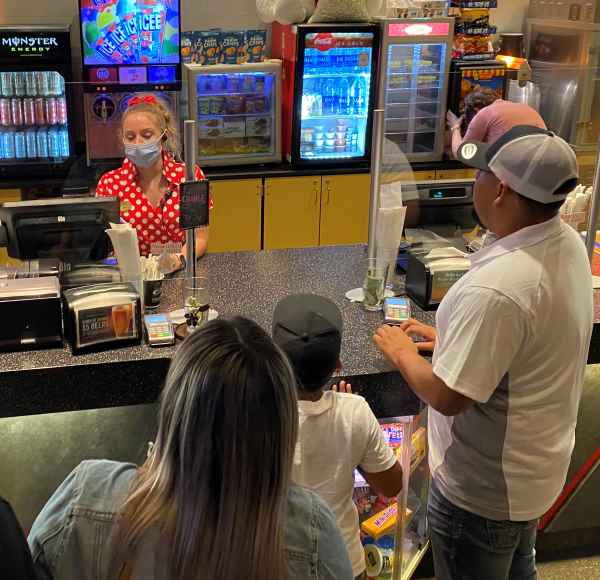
[508, 361]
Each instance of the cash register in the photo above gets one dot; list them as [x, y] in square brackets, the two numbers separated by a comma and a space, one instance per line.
[67, 240]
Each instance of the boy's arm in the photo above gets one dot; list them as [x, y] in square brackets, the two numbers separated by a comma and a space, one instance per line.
[379, 465]
[388, 482]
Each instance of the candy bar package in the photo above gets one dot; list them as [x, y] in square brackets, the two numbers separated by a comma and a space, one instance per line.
[474, 22]
[255, 42]
[468, 47]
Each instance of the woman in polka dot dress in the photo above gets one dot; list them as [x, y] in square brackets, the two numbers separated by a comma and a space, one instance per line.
[148, 181]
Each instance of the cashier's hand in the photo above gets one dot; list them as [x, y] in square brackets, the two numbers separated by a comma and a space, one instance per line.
[427, 335]
[453, 121]
[169, 263]
[394, 343]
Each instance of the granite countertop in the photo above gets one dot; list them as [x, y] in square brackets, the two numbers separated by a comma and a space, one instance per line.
[245, 283]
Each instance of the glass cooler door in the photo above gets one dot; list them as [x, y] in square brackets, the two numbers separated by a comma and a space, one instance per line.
[236, 116]
[336, 90]
[414, 99]
[33, 118]
[394, 530]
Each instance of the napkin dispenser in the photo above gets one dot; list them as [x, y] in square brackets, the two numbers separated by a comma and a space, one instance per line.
[30, 310]
[431, 272]
[102, 314]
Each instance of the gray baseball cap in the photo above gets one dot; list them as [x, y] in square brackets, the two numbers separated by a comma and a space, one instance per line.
[534, 162]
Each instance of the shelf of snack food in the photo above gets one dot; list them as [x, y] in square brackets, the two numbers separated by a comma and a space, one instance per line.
[394, 530]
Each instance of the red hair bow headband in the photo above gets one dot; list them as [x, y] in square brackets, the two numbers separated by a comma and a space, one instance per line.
[148, 99]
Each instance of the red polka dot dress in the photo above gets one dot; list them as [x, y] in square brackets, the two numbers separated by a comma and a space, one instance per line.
[154, 225]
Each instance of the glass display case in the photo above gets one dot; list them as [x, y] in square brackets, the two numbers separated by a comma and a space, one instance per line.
[414, 85]
[237, 111]
[394, 531]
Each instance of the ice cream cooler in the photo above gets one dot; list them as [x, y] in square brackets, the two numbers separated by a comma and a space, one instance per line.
[329, 75]
[237, 109]
[413, 86]
[35, 100]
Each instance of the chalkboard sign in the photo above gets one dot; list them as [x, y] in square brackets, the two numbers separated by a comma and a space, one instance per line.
[194, 204]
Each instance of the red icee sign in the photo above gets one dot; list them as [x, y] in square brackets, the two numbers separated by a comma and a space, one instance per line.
[418, 29]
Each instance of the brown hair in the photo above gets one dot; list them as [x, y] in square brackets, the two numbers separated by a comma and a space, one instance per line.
[163, 117]
[215, 485]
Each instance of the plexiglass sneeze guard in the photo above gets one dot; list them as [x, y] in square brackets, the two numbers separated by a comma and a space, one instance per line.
[237, 109]
[394, 530]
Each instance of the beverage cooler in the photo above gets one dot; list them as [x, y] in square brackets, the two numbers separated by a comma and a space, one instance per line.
[237, 109]
[35, 100]
[413, 87]
[328, 91]
[465, 77]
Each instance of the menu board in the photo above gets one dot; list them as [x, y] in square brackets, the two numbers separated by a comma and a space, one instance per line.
[130, 31]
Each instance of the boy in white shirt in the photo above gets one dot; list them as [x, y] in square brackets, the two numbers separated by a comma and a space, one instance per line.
[338, 432]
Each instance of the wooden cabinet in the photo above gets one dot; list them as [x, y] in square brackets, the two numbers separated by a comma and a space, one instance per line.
[292, 211]
[235, 220]
[8, 195]
[344, 209]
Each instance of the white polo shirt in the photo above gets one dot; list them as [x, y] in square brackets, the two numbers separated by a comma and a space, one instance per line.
[513, 335]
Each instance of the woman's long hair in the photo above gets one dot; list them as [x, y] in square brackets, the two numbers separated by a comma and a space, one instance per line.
[215, 486]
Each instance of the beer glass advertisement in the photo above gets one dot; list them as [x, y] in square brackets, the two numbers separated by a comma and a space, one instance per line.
[130, 31]
[106, 324]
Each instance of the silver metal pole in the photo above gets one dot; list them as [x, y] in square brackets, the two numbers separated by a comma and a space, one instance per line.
[590, 238]
[189, 144]
[376, 147]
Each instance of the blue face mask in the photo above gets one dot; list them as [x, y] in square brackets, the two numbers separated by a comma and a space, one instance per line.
[143, 155]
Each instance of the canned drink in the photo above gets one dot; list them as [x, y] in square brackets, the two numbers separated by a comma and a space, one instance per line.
[51, 111]
[61, 110]
[30, 84]
[6, 84]
[55, 84]
[63, 139]
[40, 111]
[5, 118]
[53, 143]
[29, 111]
[16, 110]
[43, 83]
[8, 145]
[20, 146]
[31, 142]
[42, 143]
[19, 83]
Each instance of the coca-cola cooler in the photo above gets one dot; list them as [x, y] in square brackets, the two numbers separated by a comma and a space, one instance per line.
[36, 136]
[328, 91]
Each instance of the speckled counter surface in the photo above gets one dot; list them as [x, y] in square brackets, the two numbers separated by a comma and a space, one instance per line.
[246, 283]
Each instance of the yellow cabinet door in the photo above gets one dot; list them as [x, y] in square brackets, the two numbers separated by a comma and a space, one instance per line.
[345, 209]
[9, 195]
[235, 219]
[292, 208]
[445, 174]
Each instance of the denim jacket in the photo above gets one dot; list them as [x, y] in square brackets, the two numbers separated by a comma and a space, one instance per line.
[71, 537]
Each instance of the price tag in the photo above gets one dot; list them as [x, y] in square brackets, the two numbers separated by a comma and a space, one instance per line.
[194, 204]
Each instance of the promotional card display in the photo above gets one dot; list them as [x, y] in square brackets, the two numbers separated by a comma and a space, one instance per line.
[473, 32]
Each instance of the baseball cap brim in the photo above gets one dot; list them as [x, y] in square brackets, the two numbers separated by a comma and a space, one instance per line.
[474, 154]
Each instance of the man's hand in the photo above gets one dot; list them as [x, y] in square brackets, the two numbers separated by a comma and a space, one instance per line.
[343, 387]
[427, 333]
[394, 343]
[453, 121]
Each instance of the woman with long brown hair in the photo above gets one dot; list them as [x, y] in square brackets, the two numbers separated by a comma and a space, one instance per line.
[213, 500]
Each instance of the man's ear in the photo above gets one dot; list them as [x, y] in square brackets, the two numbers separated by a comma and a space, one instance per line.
[501, 193]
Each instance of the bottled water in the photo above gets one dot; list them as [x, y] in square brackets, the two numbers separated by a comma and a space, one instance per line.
[357, 96]
[330, 97]
[345, 104]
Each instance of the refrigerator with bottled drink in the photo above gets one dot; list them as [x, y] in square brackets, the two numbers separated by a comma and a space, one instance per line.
[413, 87]
[329, 75]
[35, 100]
[237, 109]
